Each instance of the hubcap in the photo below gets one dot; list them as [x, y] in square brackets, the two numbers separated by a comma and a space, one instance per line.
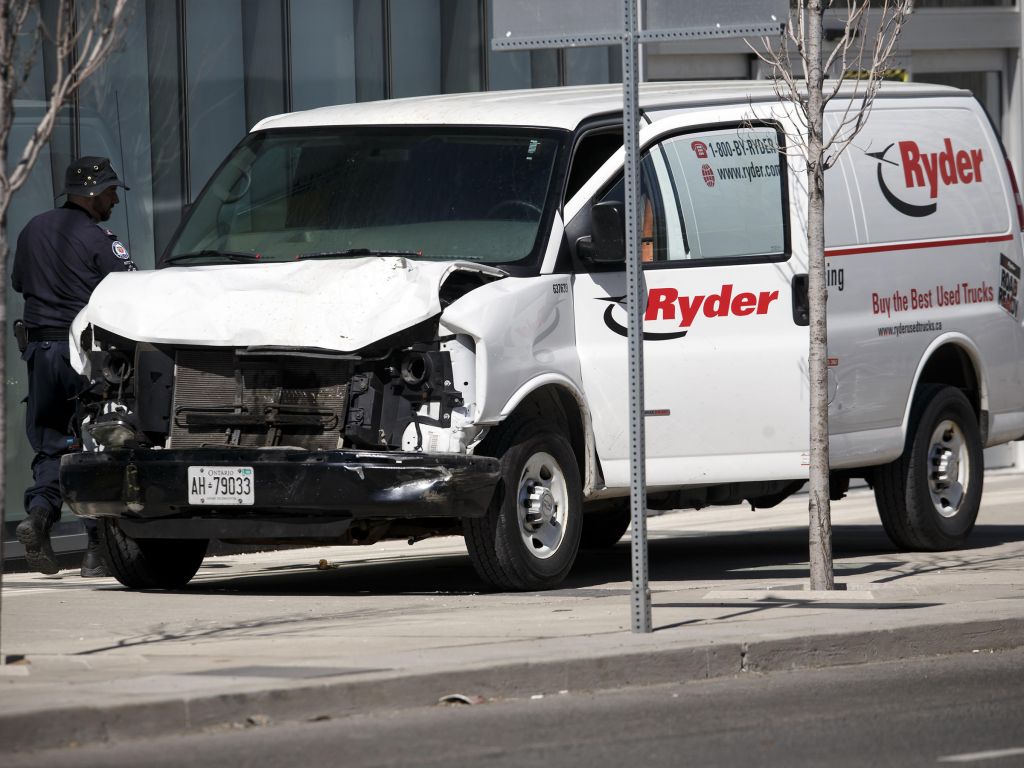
[948, 468]
[542, 505]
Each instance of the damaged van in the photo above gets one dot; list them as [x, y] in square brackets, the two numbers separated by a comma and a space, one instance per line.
[406, 319]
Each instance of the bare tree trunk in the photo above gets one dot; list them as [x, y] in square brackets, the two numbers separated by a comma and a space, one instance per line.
[85, 35]
[819, 509]
[868, 55]
[3, 401]
[6, 120]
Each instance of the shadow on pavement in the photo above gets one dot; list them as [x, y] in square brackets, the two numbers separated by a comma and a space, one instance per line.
[718, 558]
[676, 555]
[350, 576]
[778, 553]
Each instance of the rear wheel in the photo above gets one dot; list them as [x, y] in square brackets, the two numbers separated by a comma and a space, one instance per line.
[531, 533]
[150, 563]
[928, 499]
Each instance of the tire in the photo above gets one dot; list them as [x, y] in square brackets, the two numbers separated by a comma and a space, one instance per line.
[603, 527]
[150, 563]
[928, 499]
[530, 536]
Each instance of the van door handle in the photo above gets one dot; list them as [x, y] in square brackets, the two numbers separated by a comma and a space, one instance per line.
[801, 304]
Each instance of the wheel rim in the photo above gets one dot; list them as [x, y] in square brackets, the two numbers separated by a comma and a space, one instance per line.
[542, 504]
[949, 466]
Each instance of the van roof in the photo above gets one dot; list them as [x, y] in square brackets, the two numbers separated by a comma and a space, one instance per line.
[553, 107]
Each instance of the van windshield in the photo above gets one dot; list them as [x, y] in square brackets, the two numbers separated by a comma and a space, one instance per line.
[438, 193]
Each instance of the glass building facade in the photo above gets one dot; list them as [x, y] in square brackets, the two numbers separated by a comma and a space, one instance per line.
[190, 77]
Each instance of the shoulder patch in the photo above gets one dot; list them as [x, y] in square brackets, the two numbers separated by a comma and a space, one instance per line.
[119, 250]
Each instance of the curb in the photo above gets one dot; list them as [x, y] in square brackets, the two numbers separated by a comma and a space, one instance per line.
[88, 724]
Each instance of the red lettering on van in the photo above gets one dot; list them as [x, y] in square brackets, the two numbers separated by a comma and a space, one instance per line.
[688, 306]
[662, 302]
[945, 167]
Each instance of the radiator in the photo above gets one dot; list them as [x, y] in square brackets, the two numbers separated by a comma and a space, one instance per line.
[222, 397]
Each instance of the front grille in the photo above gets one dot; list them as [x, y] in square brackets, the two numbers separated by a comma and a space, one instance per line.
[223, 398]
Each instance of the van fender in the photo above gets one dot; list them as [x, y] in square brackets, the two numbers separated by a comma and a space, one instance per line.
[973, 353]
[592, 479]
[522, 328]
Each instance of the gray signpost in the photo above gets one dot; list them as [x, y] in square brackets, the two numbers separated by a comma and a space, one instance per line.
[531, 24]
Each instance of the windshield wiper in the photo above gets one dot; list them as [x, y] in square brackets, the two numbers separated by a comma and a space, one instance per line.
[209, 253]
[355, 252]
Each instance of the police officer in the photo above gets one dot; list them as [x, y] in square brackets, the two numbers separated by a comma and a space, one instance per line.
[61, 257]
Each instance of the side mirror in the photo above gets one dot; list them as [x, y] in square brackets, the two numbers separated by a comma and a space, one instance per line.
[608, 232]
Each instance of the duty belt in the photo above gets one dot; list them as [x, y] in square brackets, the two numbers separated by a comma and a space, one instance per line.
[47, 333]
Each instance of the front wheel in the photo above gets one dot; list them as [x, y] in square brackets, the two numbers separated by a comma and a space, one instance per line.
[928, 499]
[150, 563]
[531, 533]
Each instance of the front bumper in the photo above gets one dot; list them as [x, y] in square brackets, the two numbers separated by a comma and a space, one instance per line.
[321, 489]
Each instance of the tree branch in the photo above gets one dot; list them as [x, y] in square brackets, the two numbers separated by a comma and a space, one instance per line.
[93, 42]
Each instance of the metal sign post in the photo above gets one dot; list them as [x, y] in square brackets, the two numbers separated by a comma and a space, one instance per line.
[636, 302]
[532, 24]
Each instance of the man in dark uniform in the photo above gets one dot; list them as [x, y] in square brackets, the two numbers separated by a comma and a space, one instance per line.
[61, 257]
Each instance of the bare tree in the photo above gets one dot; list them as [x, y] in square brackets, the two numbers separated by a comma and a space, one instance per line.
[83, 34]
[807, 80]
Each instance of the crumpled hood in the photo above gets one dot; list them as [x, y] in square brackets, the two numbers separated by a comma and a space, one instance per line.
[336, 304]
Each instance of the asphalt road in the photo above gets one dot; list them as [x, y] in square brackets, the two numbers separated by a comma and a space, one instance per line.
[956, 710]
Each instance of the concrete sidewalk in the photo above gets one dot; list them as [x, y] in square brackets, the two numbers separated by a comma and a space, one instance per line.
[278, 636]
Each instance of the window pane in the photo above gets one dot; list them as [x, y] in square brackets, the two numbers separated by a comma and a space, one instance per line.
[545, 71]
[35, 197]
[508, 70]
[661, 236]
[461, 46]
[415, 47]
[523, 69]
[323, 47]
[114, 116]
[370, 80]
[166, 120]
[586, 66]
[216, 103]
[717, 179]
[477, 195]
[263, 57]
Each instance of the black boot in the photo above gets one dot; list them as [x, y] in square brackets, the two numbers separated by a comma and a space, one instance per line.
[92, 561]
[34, 534]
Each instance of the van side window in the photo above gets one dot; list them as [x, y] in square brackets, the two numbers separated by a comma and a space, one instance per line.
[654, 240]
[591, 153]
[728, 193]
[711, 195]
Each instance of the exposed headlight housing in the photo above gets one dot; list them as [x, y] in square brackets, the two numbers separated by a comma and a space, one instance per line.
[114, 426]
[416, 370]
[117, 367]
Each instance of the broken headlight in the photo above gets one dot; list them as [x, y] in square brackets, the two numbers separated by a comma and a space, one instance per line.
[106, 406]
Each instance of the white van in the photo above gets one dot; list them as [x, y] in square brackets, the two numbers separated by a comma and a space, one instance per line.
[405, 319]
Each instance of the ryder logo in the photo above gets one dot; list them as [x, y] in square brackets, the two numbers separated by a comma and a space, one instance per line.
[667, 304]
[931, 171]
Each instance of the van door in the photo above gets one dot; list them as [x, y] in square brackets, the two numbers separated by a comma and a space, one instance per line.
[725, 349]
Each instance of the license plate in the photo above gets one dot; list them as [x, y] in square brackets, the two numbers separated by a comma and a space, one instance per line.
[221, 486]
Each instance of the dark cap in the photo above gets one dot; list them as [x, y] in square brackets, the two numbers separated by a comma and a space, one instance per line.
[88, 176]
